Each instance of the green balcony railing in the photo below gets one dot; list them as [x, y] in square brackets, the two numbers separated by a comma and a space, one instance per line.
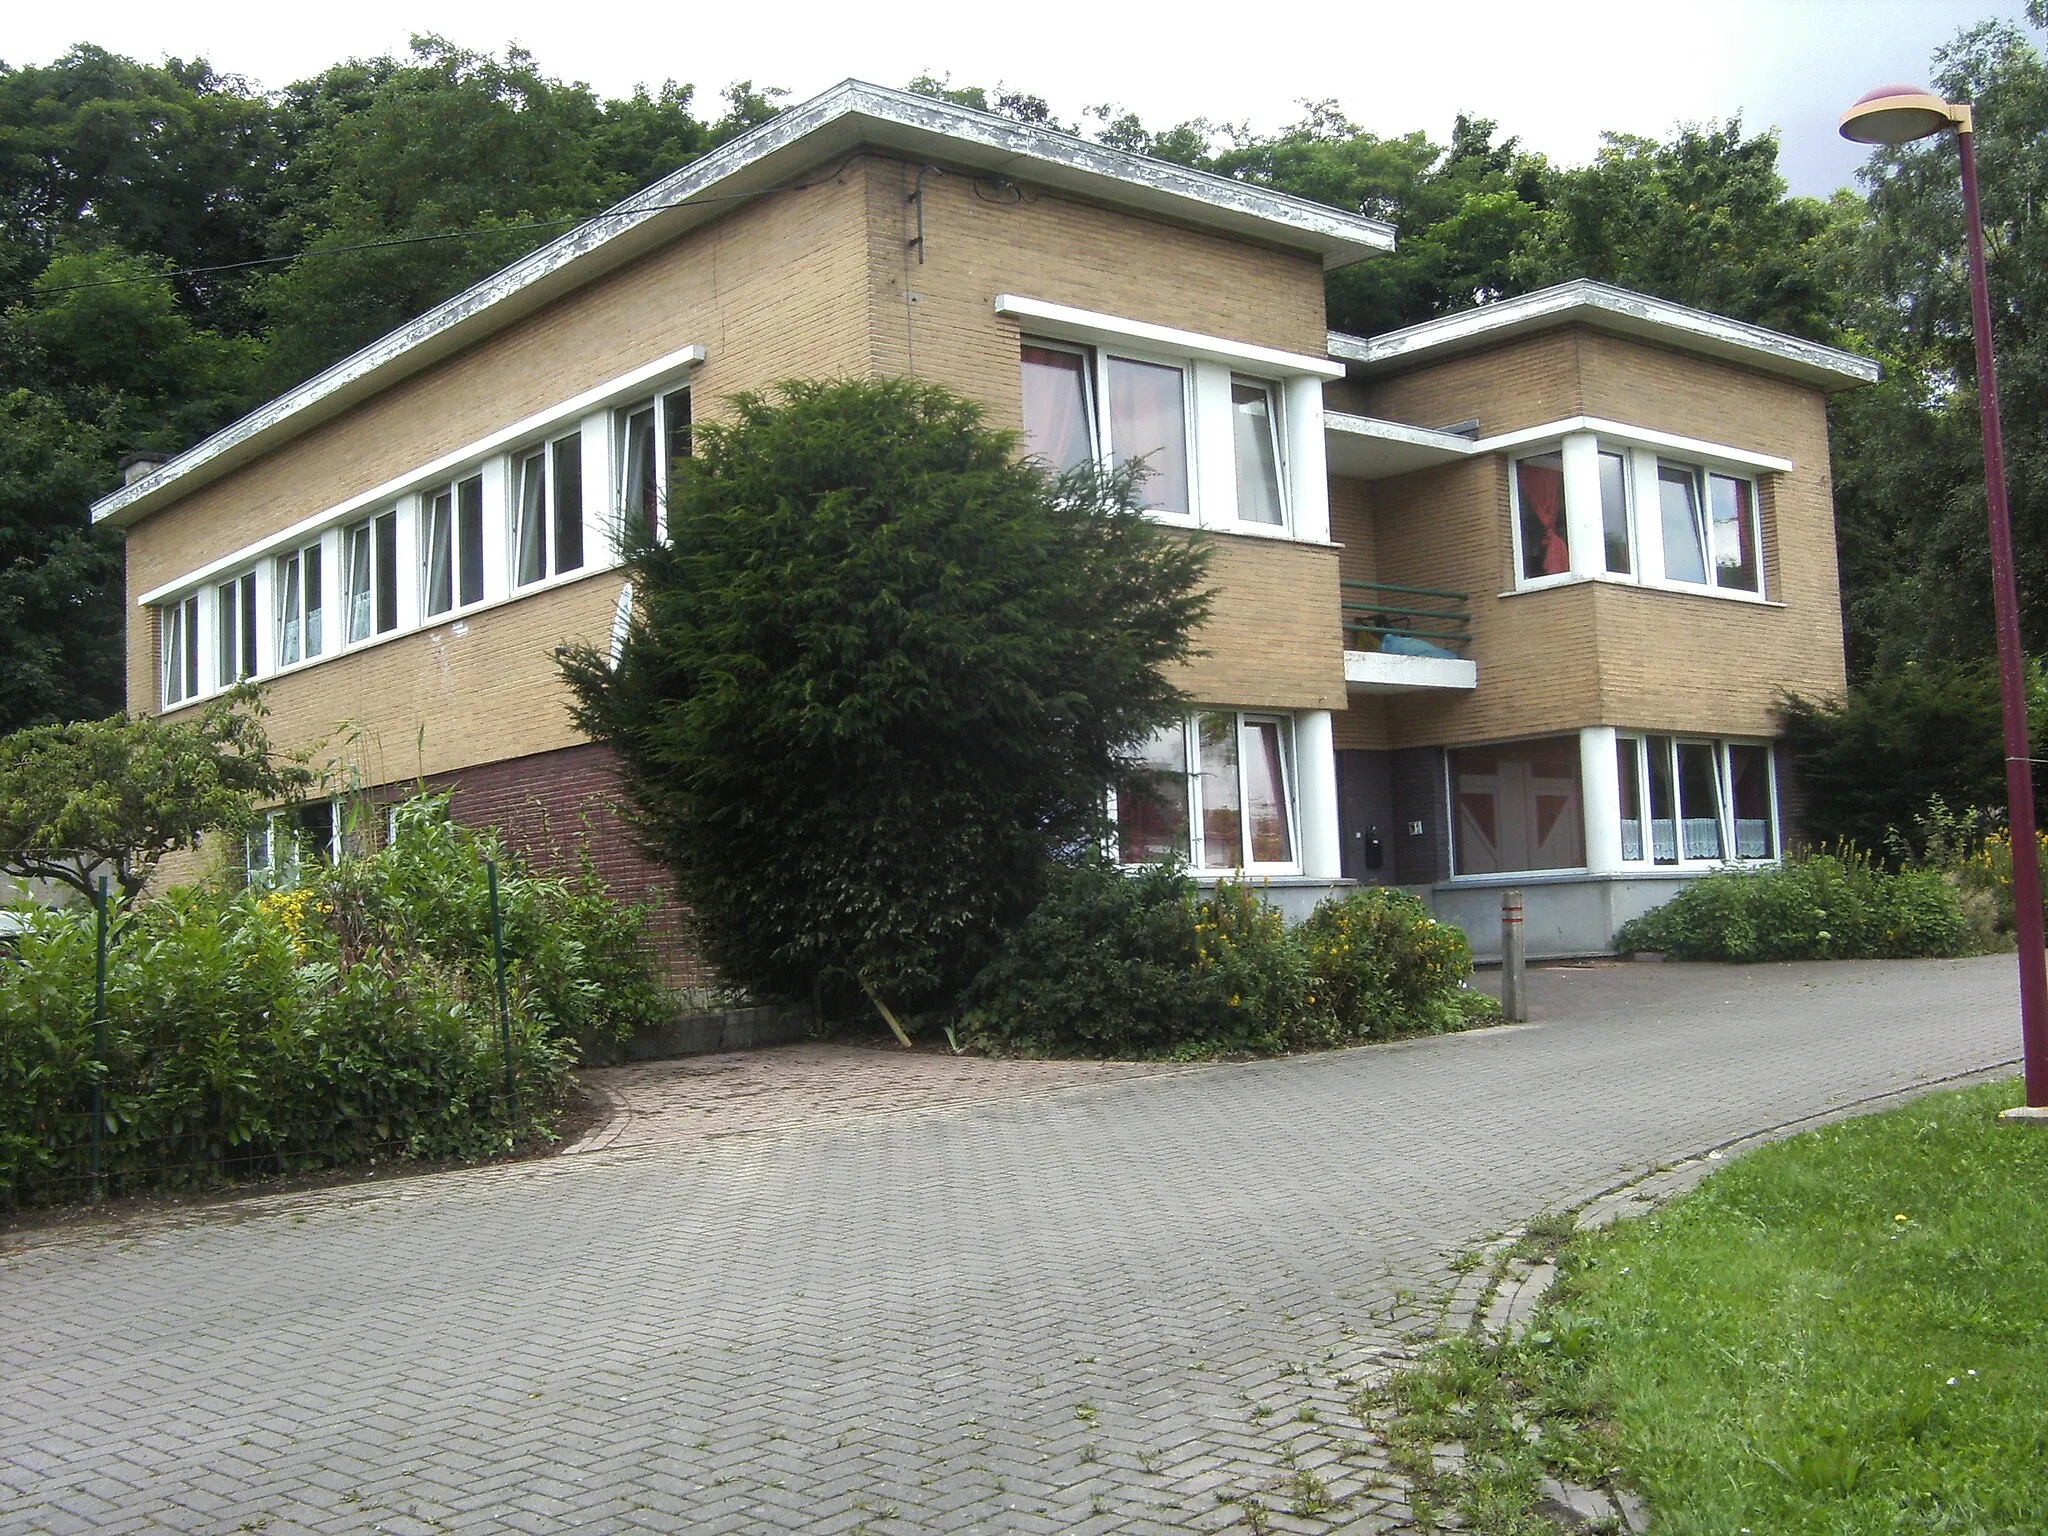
[1380, 616]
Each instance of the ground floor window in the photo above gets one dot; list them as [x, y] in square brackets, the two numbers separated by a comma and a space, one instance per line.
[1517, 806]
[1214, 789]
[1687, 800]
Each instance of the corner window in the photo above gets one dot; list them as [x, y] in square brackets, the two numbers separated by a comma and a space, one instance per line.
[1685, 536]
[452, 547]
[297, 584]
[1518, 807]
[1614, 514]
[1542, 547]
[1731, 507]
[1703, 798]
[652, 438]
[1255, 419]
[369, 568]
[1215, 789]
[234, 645]
[1710, 528]
[548, 526]
[1059, 412]
[178, 629]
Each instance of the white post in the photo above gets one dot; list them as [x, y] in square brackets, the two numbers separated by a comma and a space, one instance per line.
[1215, 499]
[1584, 530]
[1315, 766]
[1600, 789]
[1649, 500]
[1306, 473]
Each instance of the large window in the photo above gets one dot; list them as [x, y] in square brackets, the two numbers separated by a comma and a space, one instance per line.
[297, 585]
[452, 547]
[234, 644]
[548, 528]
[1216, 790]
[1143, 414]
[1518, 807]
[1255, 426]
[1706, 801]
[1541, 538]
[178, 637]
[369, 570]
[653, 438]
[1059, 406]
[1614, 523]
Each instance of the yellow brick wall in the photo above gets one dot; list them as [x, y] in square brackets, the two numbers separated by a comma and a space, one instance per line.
[1352, 525]
[1272, 637]
[1520, 384]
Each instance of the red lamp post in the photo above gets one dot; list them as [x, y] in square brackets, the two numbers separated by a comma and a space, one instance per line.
[1899, 114]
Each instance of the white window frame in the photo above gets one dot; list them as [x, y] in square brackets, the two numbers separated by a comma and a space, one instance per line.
[1556, 579]
[1102, 438]
[458, 545]
[1724, 777]
[368, 526]
[178, 627]
[621, 452]
[1191, 778]
[237, 632]
[1276, 406]
[552, 570]
[286, 566]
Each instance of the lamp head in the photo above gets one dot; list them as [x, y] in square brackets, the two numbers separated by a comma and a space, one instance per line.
[1898, 114]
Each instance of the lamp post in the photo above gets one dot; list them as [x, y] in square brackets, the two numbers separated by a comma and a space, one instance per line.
[1899, 114]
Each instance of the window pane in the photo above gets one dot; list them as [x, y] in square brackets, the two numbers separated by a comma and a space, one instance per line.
[640, 498]
[469, 537]
[1628, 753]
[356, 571]
[1258, 459]
[1152, 801]
[675, 424]
[531, 534]
[568, 504]
[1614, 512]
[1056, 425]
[439, 593]
[1222, 823]
[1699, 800]
[1148, 420]
[191, 628]
[245, 660]
[1539, 491]
[173, 622]
[1663, 809]
[1265, 785]
[1749, 775]
[386, 528]
[288, 610]
[1735, 562]
[1518, 807]
[225, 631]
[1678, 491]
[309, 561]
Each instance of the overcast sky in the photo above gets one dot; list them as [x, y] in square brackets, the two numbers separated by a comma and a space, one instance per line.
[1556, 72]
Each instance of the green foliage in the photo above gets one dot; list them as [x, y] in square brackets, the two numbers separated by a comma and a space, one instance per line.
[1838, 1333]
[1817, 906]
[879, 671]
[114, 796]
[1869, 764]
[1143, 964]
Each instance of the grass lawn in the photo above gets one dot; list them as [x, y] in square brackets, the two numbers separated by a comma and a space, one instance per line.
[1846, 1332]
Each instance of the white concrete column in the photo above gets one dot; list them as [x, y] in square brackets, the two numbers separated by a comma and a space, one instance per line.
[1315, 772]
[265, 660]
[409, 564]
[498, 513]
[600, 525]
[1306, 472]
[1583, 528]
[1649, 506]
[1215, 488]
[1600, 791]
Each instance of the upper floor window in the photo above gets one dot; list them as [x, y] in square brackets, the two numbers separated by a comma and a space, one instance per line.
[1620, 548]
[1255, 423]
[297, 583]
[1081, 405]
[234, 646]
[1059, 406]
[548, 526]
[1215, 788]
[179, 632]
[369, 569]
[652, 439]
[452, 547]
[1710, 527]
[1542, 536]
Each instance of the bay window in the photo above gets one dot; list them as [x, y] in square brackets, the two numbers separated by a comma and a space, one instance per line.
[297, 584]
[234, 646]
[1517, 806]
[179, 631]
[1541, 541]
[1707, 801]
[1214, 789]
[369, 570]
[651, 439]
[452, 547]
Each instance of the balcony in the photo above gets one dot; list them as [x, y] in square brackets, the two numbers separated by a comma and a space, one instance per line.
[1406, 639]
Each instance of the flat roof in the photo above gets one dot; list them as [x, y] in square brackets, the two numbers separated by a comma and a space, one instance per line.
[850, 116]
[1607, 308]
[1368, 448]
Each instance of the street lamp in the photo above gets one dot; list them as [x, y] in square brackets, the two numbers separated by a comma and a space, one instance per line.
[1899, 114]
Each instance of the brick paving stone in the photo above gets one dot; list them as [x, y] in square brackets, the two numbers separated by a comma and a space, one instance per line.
[842, 1290]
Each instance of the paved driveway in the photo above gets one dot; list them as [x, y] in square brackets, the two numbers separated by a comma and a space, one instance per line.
[1115, 1305]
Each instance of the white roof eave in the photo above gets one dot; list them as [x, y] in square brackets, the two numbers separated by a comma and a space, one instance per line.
[840, 120]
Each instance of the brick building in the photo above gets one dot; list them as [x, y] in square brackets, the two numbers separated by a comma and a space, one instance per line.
[1501, 598]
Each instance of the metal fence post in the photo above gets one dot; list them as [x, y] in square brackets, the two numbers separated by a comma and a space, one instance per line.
[99, 1034]
[1514, 960]
[504, 1008]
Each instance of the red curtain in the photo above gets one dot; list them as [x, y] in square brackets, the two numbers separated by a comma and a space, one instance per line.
[1541, 488]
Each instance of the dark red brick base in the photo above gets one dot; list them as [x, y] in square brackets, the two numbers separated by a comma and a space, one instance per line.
[551, 807]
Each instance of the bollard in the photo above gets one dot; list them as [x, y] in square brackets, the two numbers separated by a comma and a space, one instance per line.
[1514, 960]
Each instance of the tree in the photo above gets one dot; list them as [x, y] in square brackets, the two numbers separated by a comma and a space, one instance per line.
[114, 796]
[880, 672]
